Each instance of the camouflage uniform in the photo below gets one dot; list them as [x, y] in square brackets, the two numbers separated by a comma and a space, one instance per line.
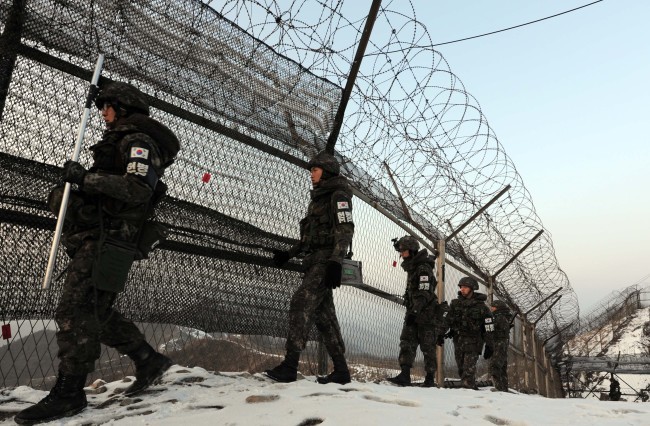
[420, 300]
[467, 319]
[101, 234]
[325, 235]
[501, 337]
[113, 202]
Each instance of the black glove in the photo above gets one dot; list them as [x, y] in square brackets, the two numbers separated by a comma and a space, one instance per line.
[440, 340]
[410, 318]
[332, 277]
[488, 351]
[73, 172]
[280, 257]
[450, 334]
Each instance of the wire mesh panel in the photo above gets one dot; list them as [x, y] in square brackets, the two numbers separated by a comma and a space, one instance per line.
[251, 92]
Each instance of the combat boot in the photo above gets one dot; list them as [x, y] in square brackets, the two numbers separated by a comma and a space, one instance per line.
[149, 367]
[403, 378]
[340, 375]
[428, 381]
[66, 398]
[287, 370]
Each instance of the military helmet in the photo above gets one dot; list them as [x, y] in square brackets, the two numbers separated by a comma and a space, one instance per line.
[125, 95]
[407, 242]
[325, 161]
[499, 304]
[468, 282]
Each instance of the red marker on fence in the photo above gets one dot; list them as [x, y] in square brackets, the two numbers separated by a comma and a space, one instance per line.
[6, 331]
[394, 263]
[206, 177]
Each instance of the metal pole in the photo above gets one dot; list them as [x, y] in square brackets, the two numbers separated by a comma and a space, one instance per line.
[354, 70]
[9, 42]
[440, 263]
[407, 213]
[542, 301]
[547, 309]
[481, 210]
[541, 231]
[75, 156]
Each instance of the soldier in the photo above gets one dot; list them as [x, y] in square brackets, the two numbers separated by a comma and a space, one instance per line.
[420, 321]
[325, 235]
[614, 389]
[501, 337]
[470, 325]
[106, 215]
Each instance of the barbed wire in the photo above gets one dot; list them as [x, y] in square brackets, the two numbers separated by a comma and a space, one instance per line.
[411, 112]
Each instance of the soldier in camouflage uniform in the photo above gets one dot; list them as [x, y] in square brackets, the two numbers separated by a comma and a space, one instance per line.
[325, 236]
[421, 306]
[501, 338]
[102, 228]
[470, 325]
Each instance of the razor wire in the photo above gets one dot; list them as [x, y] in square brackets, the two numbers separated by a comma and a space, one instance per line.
[251, 90]
[411, 112]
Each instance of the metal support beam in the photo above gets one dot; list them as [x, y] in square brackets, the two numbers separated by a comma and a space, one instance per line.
[547, 309]
[440, 277]
[475, 215]
[352, 77]
[542, 301]
[407, 213]
[540, 232]
[9, 42]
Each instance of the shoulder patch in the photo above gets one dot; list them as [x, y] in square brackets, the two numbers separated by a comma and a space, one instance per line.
[137, 152]
[342, 205]
[424, 278]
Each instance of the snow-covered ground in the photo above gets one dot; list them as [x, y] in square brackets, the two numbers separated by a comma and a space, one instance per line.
[194, 396]
[631, 342]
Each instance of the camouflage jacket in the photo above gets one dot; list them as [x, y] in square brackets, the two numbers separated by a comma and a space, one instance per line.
[326, 232]
[502, 318]
[470, 318]
[128, 164]
[420, 295]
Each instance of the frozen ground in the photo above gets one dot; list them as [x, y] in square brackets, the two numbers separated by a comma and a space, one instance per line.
[194, 396]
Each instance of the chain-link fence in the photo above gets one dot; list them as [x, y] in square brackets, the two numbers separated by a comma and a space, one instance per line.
[249, 115]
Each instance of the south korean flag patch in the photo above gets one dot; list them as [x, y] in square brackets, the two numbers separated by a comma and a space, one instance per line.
[343, 205]
[137, 152]
[424, 282]
[489, 326]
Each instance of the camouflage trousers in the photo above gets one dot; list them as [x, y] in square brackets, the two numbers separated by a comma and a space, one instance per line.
[412, 336]
[466, 358]
[314, 303]
[86, 318]
[499, 365]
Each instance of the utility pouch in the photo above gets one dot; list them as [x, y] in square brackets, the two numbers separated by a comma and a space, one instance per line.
[111, 268]
[151, 234]
[351, 272]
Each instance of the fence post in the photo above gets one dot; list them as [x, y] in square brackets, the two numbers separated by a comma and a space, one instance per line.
[9, 43]
[440, 373]
[535, 367]
[524, 340]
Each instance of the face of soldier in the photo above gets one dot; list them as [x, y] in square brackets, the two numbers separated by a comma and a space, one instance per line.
[316, 175]
[465, 291]
[493, 308]
[404, 254]
[108, 113]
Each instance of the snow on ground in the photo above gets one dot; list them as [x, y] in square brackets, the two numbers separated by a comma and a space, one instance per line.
[631, 342]
[194, 396]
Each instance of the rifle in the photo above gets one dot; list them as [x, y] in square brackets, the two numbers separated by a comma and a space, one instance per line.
[92, 92]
